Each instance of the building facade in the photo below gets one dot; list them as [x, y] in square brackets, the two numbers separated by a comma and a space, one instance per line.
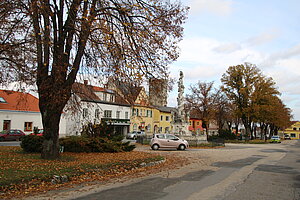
[195, 125]
[162, 119]
[96, 105]
[293, 131]
[21, 111]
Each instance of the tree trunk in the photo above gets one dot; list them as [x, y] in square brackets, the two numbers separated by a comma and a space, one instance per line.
[229, 125]
[254, 131]
[52, 100]
[247, 126]
[51, 133]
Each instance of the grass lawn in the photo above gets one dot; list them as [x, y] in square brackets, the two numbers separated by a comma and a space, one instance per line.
[256, 141]
[25, 173]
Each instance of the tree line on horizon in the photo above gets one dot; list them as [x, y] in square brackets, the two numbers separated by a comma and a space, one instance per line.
[246, 97]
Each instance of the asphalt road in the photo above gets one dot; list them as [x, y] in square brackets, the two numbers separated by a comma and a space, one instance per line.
[276, 181]
[10, 143]
[272, 175]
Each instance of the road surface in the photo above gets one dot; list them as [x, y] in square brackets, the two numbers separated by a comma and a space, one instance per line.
[238, 171]
[10, 143]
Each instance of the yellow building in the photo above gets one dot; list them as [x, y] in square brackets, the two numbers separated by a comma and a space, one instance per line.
[162, 119]
[141, 119]
[144, 116]
[293, 131]
[142, 113]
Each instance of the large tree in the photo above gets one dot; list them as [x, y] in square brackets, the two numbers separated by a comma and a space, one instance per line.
[247, 88]
[202, 99]
[126, 39]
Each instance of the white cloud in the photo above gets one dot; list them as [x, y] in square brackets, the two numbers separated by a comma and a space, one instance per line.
[262, 38]
[218, 7]
[227, 48]
[276, 58]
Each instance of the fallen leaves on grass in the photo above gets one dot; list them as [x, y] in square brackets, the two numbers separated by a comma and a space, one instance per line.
[24, 174]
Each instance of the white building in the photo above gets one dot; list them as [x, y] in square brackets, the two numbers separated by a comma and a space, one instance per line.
[88, 104]
[96, 105]
[21, 111]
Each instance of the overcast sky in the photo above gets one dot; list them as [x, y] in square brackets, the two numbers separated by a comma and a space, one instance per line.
[223, 33]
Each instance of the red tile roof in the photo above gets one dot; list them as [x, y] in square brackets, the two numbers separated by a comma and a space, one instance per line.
[98, 89]
[18, 101]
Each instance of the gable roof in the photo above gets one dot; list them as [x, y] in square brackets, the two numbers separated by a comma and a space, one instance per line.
[18, 101]
[129, 91]
[88, 93]
[165, 109]
[85, 92]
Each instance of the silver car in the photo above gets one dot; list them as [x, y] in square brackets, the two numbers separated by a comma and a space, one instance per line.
[168, 141]
[135, 134]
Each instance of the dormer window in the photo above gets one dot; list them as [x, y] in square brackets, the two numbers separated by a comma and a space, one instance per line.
[2, 100]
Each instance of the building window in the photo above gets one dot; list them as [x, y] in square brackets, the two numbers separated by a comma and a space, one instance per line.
[85, 113]
[167, 130]
[6, 124]
[161, 118]
[97, 114]
[126, 115]
[149, 128]
[2, 100]
[135, 127]
[167, 118]
[149, 113]
[293, 135]
[294, 129]
[198, 123]
[118, 114]
[28, 126]
[141, 112]
[107, 113]
[111, 98]
[104, 96]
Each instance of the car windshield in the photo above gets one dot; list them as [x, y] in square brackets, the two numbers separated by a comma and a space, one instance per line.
[160, 136]
[172, 137]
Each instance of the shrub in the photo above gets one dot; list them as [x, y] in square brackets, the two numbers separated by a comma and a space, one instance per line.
[227, 135]
[93, 144]
[32, 143]
[102, 130]
[74, 144]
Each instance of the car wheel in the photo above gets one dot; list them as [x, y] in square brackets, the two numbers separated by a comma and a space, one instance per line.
[155, 147]
[181, 147]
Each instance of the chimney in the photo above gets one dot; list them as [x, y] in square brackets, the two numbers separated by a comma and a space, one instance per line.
[86, 82]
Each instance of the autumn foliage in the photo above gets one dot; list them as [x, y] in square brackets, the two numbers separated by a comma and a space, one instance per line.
[27, 174]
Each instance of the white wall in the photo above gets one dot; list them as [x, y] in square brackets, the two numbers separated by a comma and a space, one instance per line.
[75, 120]
[18, 118]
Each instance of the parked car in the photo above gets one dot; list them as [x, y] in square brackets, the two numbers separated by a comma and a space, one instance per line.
[40, 132]
[275, 139]
[287, 137]
[168, 141]
[13, 134]
[135, 134]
